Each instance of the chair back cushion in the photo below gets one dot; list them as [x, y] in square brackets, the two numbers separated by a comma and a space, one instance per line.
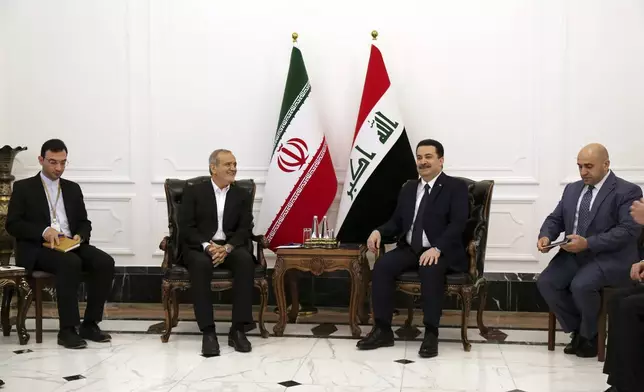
[174, 193]
[475, 234]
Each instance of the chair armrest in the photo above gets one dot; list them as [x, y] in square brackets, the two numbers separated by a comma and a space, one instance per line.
[164, 243]
[385, 241]
[261, 245]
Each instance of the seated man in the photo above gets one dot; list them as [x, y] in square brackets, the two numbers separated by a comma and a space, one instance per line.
[43, 209]
[429, 219]
[594, 214]
[624, 357]
[215, 224]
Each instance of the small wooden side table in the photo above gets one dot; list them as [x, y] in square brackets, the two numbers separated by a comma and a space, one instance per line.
[351, 258]
[13, 278]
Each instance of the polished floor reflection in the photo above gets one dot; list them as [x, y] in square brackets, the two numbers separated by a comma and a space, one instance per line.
[310, 357]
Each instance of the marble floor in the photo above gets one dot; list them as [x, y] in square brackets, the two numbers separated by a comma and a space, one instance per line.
[311, 357]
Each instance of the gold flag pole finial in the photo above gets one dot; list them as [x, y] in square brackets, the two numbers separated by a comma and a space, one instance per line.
[294, 36]
[374, 35]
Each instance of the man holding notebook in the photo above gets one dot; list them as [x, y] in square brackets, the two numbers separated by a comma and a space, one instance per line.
[47, 216]
[594, 216]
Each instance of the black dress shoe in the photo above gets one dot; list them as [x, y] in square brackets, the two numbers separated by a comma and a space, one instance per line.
[238, 340]
[612, 389]
[571, 348]
[1, 383]
[210, 345]
[378, 337]
[429, 347]
[91, 331]
[68, 338]
[587, 347]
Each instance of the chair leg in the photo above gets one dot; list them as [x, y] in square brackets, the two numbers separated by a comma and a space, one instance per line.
[552, 326]
[263, 295]
[7, 293]
[166, 294]
[38, 295]
[410, 312]
[479, 314]
[601, 328]
[466, 297]
[175, 308]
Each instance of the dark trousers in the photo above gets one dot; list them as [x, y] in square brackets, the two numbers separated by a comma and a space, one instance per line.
[571, 290]
[625, 351]
[68, 268]
[241, 263]
[391, 265]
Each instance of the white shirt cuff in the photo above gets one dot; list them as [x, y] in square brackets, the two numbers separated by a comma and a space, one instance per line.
[205, 245]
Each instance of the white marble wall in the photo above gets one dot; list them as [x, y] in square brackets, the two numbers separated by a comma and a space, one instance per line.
[144, 90]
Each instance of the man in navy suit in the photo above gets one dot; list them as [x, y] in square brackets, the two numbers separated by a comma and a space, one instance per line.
[594, 214]
[429, 221]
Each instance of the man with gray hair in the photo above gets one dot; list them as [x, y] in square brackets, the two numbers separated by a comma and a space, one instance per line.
[215, 224]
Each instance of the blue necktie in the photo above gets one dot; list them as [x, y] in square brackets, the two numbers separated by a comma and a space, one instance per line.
[417, 231]
[584, 212]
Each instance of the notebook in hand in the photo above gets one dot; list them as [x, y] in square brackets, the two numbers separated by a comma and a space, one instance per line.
[65, 244]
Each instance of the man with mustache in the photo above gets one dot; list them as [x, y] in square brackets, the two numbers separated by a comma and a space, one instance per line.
[215, 224]
[626, 333]
[594, 215]
[429, 221]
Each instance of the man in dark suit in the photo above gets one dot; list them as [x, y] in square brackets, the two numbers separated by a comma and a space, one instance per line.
[624, 358]
[215, 224]
[429, 221]
[594, 215]
[43, 209]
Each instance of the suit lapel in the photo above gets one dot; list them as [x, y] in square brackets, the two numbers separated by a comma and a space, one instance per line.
[67, 202]
[211, 199]
[41, 197]
[436, 189]
[604, 191]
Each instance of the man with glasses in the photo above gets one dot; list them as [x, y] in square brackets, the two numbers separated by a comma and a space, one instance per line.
[42, 210]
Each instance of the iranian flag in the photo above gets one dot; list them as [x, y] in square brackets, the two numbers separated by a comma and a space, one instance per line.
[301, 180]
[381, 158]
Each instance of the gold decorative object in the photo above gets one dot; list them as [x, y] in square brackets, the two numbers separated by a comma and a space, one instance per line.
[374, 35]
[294, 36]
[7, 155]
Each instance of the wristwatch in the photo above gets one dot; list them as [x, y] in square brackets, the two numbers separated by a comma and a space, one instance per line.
[229, 248]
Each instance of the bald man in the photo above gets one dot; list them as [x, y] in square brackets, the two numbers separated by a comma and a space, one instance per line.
[594, 214]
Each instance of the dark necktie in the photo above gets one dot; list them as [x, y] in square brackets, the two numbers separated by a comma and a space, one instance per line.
[417, 230]
[584, 212]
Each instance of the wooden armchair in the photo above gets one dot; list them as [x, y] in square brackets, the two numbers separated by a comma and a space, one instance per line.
[466, 285]
[175, 274]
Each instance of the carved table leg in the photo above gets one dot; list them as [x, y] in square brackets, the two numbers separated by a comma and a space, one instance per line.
[355, 271]
[25, 295]
[291, 277]
[280, 296]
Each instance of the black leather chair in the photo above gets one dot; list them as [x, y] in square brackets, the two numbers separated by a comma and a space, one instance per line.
[175, 275]
[466, 285]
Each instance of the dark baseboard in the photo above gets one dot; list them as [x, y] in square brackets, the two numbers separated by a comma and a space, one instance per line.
[507, 291]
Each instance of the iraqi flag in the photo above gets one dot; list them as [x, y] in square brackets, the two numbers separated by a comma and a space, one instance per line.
[301, 180]
[381, 158]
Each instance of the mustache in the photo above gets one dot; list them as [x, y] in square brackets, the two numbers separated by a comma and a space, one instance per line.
[424, 166]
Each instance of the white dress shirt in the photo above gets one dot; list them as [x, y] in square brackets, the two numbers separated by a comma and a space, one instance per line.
[419, 196]
[220, 197]
[592, 200]
[59, 208]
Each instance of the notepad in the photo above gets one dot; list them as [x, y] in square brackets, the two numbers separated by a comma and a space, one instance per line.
[65, 244]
